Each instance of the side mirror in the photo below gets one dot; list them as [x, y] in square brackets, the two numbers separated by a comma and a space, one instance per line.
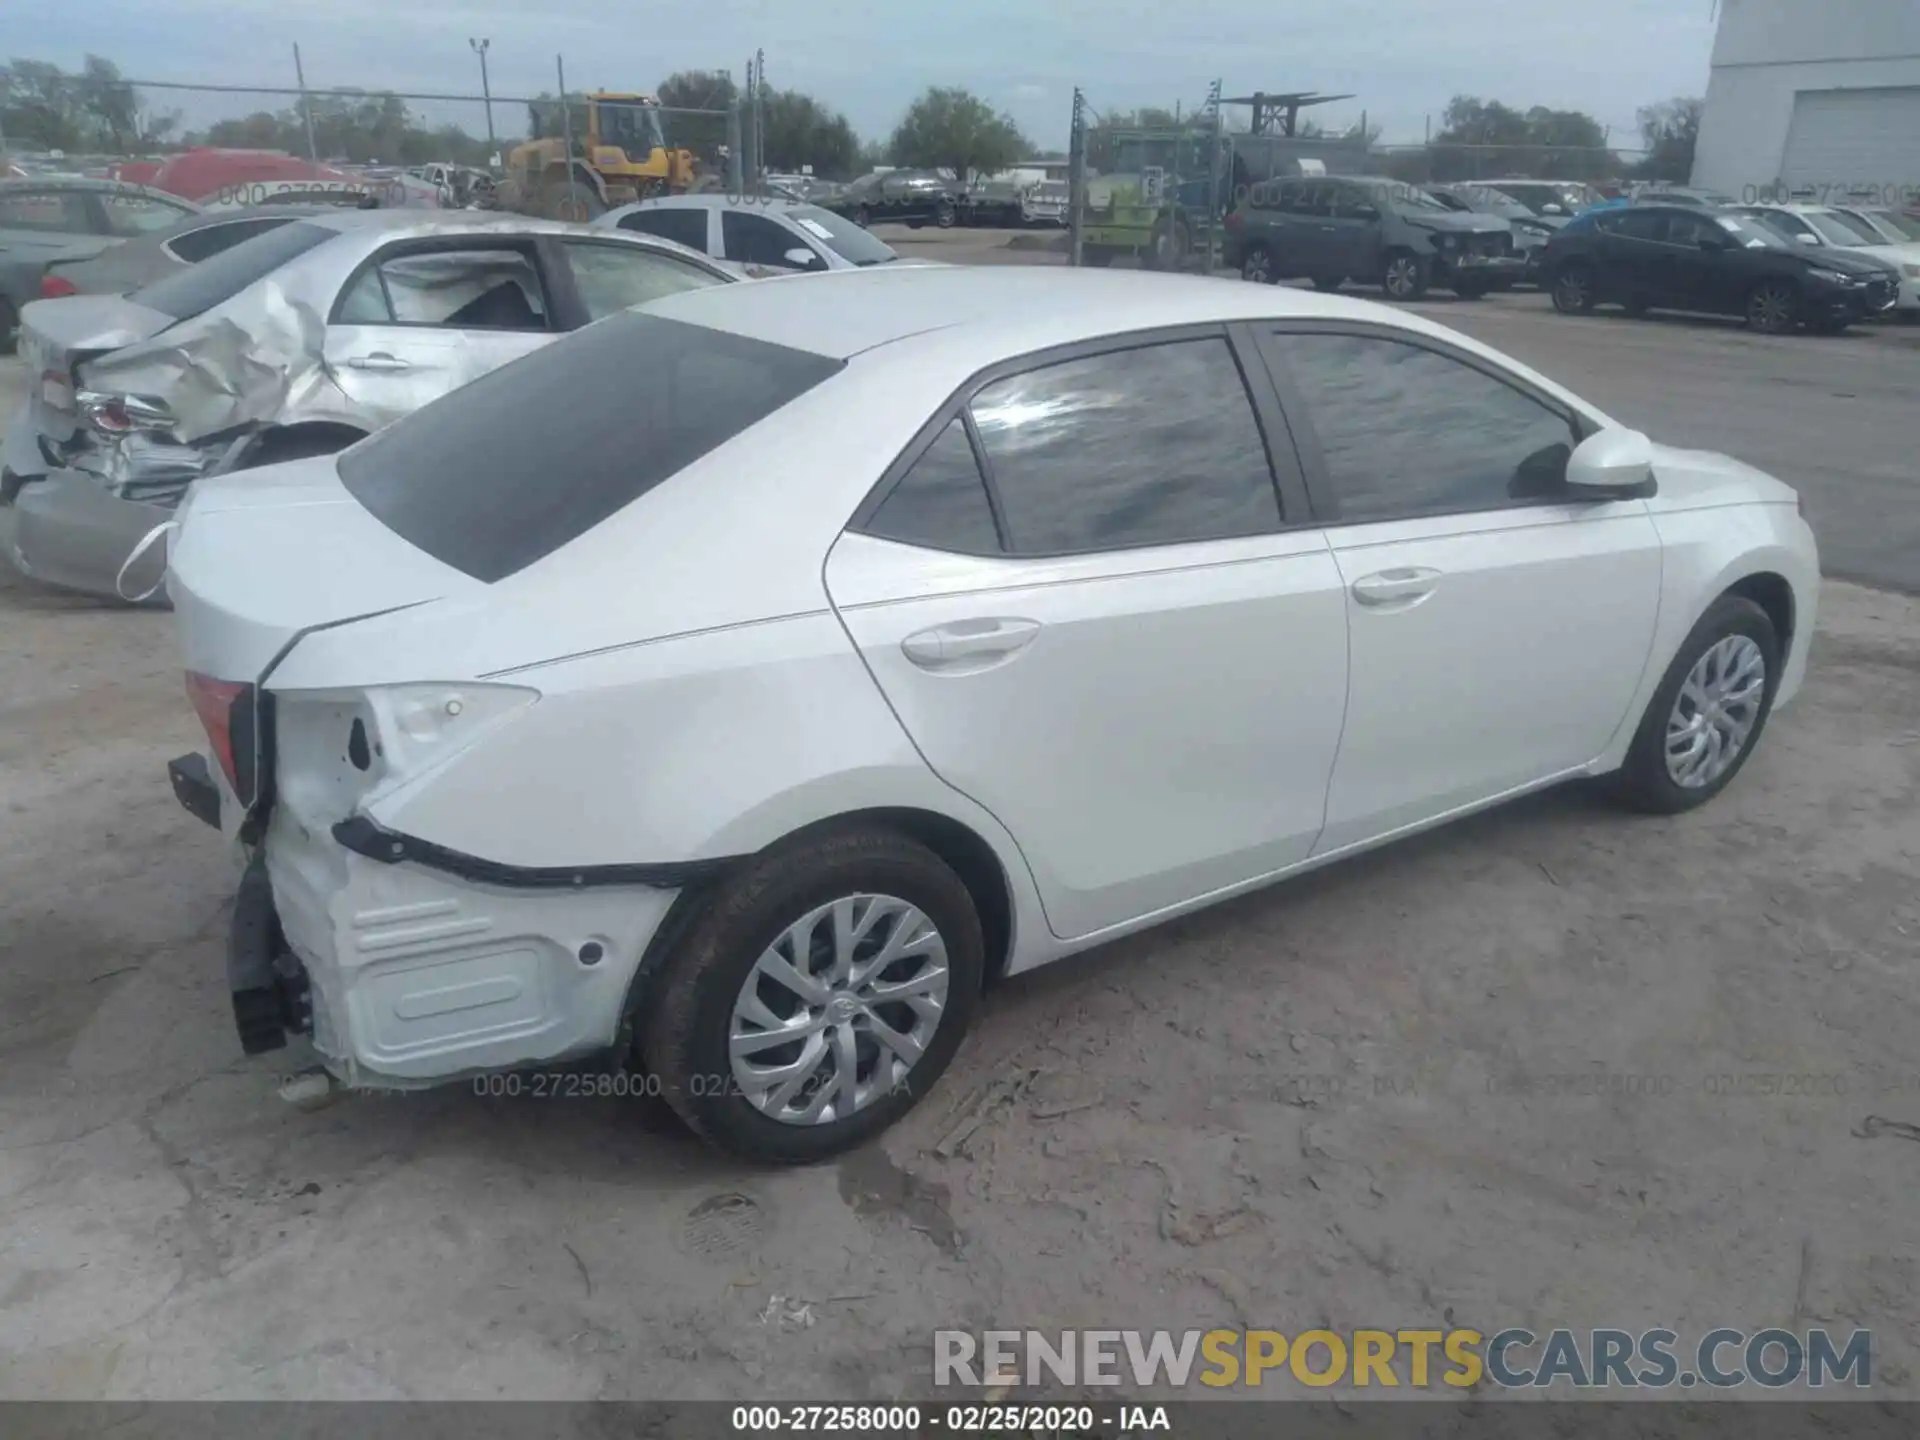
[802, 258]
[1551, 209]
[1612, 465]
[1806, 239]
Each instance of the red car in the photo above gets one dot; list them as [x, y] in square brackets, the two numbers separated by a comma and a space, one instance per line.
[222, 178]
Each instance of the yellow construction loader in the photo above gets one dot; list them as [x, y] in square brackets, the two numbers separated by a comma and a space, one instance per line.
[619, 155]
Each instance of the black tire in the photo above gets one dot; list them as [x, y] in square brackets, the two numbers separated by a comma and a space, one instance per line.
[684, 1033]
[1572, 288]
[1773, 306]
[576, 201]
[1643, 781]
[1328, 283]
[945, 216]
[1256, 266]
[1406, 276]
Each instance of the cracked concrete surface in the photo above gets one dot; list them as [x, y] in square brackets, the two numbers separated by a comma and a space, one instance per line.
[1512, 1073]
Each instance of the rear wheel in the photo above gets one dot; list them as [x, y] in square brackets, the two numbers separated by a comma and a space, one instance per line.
[1773, 307]
[275, 447]
[1257, 266]
[1573, 290]
[1405, 276]
[945, 216]
[817, 998]
[574, 200]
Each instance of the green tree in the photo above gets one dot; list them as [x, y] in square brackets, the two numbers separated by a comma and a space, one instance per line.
[1484, 137]
[949, 128]
[797, 131]
[686, 90]
[1669, 131]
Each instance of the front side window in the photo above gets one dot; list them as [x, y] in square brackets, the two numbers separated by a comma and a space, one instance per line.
[682, 225]
[1406, 431]
[941, 502]
[1642, 225]
[842, 236]
[755, 240]
[610, 278]
[478, 288]
[1150, 446]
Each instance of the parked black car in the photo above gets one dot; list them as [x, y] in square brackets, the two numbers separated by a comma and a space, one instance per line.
[1673, 257]
[1370, 229]
[912, 197]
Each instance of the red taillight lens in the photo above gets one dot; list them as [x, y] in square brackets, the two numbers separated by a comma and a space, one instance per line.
[53, 287]
[213, 703]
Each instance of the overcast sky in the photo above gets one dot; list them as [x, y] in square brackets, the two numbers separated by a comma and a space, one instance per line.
[1401, 59]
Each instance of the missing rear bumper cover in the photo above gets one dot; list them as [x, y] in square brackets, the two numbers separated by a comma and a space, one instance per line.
[364, 837]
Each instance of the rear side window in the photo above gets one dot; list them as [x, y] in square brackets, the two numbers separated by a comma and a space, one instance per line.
[687, 226]
[453, 288]
[508, 469]
[199, 288]
[941, 503]
[1150, 446]
[209, 240]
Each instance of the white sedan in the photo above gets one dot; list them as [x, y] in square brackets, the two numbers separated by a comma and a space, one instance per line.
[852, 641]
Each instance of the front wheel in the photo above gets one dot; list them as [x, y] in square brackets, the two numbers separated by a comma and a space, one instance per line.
[817, 998]
[1773, 307]
[1708, 713]
[1406, 276]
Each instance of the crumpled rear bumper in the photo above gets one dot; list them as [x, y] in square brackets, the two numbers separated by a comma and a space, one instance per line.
[70, 531]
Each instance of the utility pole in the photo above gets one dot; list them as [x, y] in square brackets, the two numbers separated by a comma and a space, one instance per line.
[480, 49]
[566, 131]
[306, 102]
[1076, 176]
[1217, 205]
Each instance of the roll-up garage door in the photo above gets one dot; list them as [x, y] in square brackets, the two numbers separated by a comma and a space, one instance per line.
[1851, 141]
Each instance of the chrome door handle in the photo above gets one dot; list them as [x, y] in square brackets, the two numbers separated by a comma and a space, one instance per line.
[379, 360]
[946, 646]
[1391, 587]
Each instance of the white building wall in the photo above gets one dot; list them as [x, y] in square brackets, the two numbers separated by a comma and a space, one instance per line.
[1767, 51]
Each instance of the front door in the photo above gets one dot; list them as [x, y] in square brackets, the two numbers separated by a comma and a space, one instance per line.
[1110, 638]
[1352, 237]
[419, 320]
[1498, 628]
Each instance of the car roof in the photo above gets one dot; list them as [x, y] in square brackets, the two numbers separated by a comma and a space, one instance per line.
[842, 313]
[718, 200]
[87, 182]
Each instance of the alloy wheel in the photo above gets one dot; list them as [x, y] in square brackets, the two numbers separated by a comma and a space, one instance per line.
[839, 1009]
[1714, 714]
[1403, 277]
[1771, 309]
[1257, 267]
[1572, 293]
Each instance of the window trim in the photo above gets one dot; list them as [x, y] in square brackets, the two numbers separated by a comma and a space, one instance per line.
[223, 223]
[1321, 486]
[1283, 463]
[666, 206]
[527, 245]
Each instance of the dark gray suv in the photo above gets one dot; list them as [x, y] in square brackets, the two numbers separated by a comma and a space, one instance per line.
[1368, 228]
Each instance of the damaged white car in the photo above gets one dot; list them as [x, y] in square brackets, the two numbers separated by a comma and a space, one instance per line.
[860, 637]
[296, 342]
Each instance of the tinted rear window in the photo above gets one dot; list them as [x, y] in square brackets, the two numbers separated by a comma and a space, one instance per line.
[508, 469]
[199, 288]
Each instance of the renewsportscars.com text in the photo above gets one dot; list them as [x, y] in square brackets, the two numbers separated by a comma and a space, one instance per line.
[1456, 1359]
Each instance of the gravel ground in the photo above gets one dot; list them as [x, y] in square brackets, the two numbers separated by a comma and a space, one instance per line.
[1333, 1103]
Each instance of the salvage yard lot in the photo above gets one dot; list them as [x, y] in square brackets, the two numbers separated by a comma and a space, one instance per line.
[1554, 1066]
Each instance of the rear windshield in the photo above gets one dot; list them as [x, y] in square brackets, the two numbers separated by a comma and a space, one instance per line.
[508, 469]
[199, 288]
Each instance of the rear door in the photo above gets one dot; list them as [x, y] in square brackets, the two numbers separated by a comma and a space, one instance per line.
[423, 317]
[683, 224]
[1637, 255]
[1354, 244]
[1498, 628]
[1092, 594]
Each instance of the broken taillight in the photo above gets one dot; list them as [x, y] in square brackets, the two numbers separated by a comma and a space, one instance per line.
[213, 702]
